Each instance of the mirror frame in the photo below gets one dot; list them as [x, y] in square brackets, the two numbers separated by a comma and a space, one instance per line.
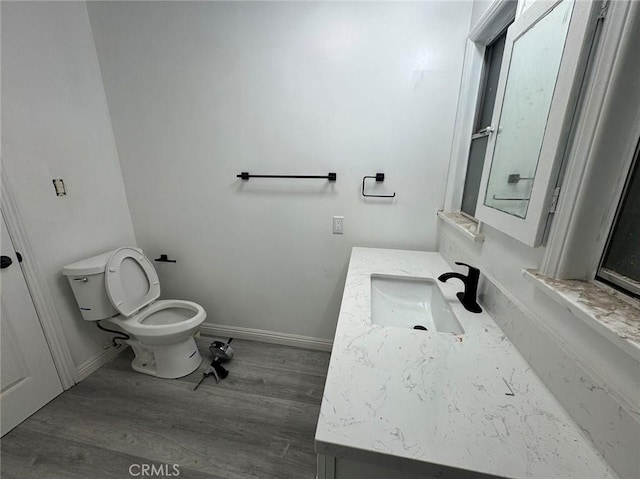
[530, 230]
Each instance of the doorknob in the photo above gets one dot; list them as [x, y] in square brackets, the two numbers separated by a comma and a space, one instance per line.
[5, 262]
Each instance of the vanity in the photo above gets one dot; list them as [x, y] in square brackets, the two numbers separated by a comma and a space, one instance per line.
[451, 399]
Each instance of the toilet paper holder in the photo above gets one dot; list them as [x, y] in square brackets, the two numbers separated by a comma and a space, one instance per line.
[379, 178]
[164, 259]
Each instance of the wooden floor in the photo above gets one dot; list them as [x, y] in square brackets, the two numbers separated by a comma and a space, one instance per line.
[258, 423]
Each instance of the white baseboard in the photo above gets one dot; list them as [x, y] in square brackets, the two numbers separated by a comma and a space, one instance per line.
[92, 364]
[223, 331]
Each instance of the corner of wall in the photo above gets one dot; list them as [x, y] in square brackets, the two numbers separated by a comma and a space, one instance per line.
[54, 114]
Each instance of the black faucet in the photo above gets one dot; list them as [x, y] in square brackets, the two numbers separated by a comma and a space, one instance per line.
[468, 298]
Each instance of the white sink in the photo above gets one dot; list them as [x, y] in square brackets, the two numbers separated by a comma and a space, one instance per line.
[409, 302]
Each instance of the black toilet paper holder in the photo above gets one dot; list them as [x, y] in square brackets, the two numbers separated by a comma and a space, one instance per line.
[379, 178]
[165, 259]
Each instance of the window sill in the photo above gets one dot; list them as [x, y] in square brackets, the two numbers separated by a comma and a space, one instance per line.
[611, 316]
[466, 226]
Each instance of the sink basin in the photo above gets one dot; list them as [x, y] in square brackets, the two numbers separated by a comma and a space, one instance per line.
[409, 302]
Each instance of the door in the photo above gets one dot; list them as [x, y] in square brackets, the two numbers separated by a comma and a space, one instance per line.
[28, 376]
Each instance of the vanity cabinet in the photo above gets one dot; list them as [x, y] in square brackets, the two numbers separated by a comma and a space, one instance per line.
[463, 403]
[330, 467]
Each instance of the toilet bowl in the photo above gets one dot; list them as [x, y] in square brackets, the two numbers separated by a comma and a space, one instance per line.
[122, 287]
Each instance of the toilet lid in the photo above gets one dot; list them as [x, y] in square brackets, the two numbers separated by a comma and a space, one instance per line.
[131, 280]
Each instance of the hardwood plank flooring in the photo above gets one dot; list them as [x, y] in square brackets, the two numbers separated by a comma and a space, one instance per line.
[257, 423]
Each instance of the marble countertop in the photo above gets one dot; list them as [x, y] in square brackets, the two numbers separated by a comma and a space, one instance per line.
[437, 403]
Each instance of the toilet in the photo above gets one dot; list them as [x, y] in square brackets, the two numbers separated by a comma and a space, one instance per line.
[122, 287]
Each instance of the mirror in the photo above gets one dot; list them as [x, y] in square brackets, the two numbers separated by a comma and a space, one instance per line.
[531, 80]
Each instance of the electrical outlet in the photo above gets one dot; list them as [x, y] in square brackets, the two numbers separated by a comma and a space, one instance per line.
[338, 225]
[58, 184]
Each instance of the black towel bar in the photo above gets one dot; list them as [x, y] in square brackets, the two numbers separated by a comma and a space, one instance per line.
[331, 176]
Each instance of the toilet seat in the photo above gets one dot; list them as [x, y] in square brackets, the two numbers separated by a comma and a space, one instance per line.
[127, 273]
[152, 320]
[133, 288]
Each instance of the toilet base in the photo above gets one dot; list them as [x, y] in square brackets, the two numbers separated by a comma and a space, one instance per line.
[168, 361]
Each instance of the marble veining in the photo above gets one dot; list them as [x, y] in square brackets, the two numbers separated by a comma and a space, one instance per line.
[619, 317]
[465, 225]
[466, 401]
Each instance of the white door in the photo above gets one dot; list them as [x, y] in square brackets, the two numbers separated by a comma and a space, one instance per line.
[28, 376]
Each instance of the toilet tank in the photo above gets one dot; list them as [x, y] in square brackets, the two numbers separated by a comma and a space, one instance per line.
[86, 278]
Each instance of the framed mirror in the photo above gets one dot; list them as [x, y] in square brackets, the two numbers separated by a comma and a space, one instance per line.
[544, 61]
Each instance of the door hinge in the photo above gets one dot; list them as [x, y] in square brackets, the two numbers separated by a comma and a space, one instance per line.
[554, 199]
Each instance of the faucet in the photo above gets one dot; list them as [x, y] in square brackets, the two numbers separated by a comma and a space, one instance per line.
[468, 297]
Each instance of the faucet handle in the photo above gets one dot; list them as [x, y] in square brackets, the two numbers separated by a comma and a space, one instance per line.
[472, 269]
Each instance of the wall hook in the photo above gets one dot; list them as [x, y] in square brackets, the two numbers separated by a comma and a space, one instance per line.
[379, 178]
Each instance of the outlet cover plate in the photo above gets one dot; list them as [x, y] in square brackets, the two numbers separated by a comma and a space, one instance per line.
[338, 225]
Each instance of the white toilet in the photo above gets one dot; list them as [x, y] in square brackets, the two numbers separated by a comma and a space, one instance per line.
[122, 287]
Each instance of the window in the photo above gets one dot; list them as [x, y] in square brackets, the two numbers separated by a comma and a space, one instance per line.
[620, 266]
[482, 127]
[587, 235]
[546, 53]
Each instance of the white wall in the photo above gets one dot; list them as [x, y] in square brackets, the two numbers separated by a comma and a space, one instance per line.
[55, 124]
[200, 91]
